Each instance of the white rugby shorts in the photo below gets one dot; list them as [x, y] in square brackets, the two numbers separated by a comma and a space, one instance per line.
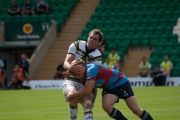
[69, 83]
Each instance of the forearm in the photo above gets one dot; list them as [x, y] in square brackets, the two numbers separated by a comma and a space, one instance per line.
[66, 65]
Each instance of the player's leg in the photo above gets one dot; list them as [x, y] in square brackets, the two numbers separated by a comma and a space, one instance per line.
[87, 105]
[129, 98]
[108, 102]
[133, 105]
[68, 88]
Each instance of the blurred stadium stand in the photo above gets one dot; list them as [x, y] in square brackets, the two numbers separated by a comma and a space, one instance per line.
[145, 25]
[127, 23]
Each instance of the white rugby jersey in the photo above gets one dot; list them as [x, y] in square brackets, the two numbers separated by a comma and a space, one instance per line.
[79, 50]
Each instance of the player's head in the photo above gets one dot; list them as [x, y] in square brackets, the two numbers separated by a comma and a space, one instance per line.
[81, 63]
[95, 39]
[166, 58]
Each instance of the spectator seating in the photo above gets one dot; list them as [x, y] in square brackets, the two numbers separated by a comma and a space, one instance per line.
[138, 23]
[59, 10]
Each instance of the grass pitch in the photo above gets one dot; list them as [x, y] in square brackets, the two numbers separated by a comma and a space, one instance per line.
[163, 103]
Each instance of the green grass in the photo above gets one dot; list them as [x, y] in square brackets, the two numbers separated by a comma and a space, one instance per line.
[163, 103]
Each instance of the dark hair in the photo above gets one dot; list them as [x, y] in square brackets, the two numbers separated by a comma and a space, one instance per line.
[97, 31]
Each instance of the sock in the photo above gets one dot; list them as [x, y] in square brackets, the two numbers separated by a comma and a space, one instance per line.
[73, 112]
[88, 114]
[116, 114]
[146, 116]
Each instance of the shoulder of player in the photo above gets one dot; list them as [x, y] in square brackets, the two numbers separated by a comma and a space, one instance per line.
[79, 43]
[91, 66]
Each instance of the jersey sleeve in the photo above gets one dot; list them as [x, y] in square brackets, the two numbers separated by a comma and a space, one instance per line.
[91, 72]
[72, 49]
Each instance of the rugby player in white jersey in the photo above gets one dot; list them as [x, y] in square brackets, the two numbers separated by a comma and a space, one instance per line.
[90, 54]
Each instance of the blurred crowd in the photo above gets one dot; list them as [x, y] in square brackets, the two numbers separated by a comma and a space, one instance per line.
[159, 73]
[19, 74]
[28, 8]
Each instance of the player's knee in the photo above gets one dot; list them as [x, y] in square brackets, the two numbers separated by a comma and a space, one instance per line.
[87, 104]
[107, 108]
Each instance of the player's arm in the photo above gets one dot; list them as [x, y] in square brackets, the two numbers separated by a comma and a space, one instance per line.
[70, 56]
[94, 92]
[83, 92]
[67, 63]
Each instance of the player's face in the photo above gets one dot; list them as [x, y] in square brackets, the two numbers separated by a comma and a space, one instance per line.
[81, 74]
[93, 41]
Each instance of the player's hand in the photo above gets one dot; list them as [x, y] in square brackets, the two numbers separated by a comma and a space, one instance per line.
[68, 97]
[66, 74]
[76, 69]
